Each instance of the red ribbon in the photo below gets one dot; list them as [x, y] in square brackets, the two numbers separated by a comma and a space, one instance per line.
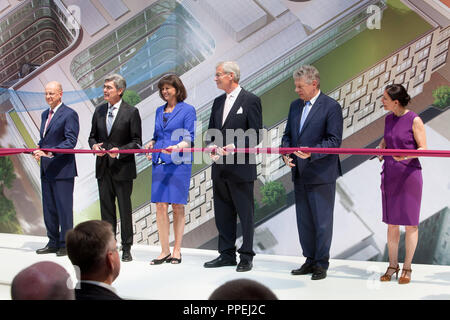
[371, 152]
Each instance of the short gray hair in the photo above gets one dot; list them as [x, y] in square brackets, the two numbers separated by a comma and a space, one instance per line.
[231, 67]
[308, 73]
[118, 80]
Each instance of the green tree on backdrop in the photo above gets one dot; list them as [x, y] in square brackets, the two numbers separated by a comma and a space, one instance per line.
[441, 97]
[8, 220]
[273, 193]
[131, 97]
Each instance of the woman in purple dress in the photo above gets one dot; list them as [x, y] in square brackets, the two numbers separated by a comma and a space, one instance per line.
[401, 178]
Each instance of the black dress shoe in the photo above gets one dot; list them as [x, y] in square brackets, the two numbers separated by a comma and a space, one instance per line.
[319, 273]
[61, 252]
[244, 265]
[46, 249]
[306, 268]
[126, 256]
[219, 262]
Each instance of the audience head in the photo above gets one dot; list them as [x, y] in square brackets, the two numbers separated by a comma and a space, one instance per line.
[175, 82]
[242, 289]
[307, 82]
[42, 281]
[91, 246]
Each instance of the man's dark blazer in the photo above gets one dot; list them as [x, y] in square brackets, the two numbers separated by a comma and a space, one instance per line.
[126, 133]
[322, 129]
[233, 179]
[62, 133]
[90, 291]
[249, 118]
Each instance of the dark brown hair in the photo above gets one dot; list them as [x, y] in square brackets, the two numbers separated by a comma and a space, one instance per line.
[174, 81]
[399, 93]
[88, 243]
[243, 289]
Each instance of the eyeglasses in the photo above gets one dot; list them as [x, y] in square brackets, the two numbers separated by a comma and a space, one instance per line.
[219, 75]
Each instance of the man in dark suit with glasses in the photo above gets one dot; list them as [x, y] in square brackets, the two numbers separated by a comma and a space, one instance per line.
[115, 126]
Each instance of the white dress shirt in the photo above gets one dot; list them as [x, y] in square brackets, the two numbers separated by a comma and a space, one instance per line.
[229, 101]
[48, 122]
[114, 111]
[307, 109]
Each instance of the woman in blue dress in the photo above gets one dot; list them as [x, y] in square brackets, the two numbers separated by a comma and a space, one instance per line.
[171, 174]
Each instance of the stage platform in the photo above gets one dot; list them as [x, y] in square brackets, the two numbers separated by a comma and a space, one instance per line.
[190, 281]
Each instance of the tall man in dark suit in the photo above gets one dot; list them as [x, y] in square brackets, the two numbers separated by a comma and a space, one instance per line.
[315, 121]
[116, 126]
[236, 118]
[59, 130]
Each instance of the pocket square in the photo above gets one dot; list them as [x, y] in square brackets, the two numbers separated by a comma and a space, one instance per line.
[240, 111]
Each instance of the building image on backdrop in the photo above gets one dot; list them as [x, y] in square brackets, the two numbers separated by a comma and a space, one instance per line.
[359, 47]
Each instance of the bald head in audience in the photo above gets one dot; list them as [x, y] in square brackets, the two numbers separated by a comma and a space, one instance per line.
[243, 289]
[42, 281]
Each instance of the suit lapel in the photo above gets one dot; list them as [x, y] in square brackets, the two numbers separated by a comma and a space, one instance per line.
[312, 112]
[120, 115]
[43, 121]
[175, 111]
[54, 118]
[103, 109]
[237, 104]
[298, 117]
[160, 115]
[219, 114]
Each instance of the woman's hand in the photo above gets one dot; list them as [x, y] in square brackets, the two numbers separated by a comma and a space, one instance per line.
[149, 146]
[169, 149]
[400, 158]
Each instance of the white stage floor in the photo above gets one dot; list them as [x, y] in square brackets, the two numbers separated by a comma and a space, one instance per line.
[190, 281]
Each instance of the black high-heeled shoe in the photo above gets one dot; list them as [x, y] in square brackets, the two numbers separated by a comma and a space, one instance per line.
[175, 260]
[162, 260]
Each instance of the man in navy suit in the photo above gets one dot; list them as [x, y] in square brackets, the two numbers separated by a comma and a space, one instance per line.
[315, 121]
[59, 130]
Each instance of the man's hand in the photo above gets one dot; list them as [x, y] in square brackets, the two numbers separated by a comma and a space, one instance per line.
[288, 161]
[302, 155]
[112, 154]
[214, 155]
[97, 147]
[224, 152]
[37, 154]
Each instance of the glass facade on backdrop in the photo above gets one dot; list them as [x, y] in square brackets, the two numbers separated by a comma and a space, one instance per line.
[29, 37]
[163, 38]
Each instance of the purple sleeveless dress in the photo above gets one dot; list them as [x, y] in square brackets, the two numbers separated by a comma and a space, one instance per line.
[401, 181]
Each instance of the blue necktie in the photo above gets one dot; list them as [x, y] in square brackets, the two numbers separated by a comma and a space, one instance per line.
[305, 113]
[110, 119]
